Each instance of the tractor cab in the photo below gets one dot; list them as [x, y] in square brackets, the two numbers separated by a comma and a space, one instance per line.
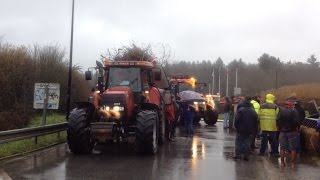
[186, 89]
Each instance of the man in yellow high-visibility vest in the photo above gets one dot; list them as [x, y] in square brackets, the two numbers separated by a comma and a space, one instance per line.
[267, 118]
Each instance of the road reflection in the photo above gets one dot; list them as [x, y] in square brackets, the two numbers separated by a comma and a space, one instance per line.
[198, 148]
[194, 148]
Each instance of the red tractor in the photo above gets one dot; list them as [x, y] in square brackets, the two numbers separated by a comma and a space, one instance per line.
[128, 106]
[204, 106]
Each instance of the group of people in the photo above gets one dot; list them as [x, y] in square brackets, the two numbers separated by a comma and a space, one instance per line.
[276, 125]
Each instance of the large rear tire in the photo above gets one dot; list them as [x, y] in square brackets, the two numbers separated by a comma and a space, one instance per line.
[211, 117]
[78, 133]
[147, 127]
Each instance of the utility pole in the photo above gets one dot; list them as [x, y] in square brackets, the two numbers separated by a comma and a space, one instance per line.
[213, 80]
[227, 89]
[236, 77]
[219, 80]
[276, 76]
[70, 64]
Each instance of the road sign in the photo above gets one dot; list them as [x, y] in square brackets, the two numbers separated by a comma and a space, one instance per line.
[40, 95]
[237, 91]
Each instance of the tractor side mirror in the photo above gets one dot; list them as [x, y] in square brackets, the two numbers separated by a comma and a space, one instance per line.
[88, 75]
[157, 74]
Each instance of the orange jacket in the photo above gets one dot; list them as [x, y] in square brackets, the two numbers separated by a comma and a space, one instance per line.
[170, 112]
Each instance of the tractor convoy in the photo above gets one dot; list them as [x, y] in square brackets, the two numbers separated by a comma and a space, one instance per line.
[131, 104]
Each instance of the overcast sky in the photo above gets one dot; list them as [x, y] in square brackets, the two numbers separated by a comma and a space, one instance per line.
[194, 29]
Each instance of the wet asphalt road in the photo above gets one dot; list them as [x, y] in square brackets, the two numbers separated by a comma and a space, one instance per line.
[208, 155]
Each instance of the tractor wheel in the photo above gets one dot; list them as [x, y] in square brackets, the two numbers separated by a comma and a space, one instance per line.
[211, 117]
[147, 132]
[78, 133]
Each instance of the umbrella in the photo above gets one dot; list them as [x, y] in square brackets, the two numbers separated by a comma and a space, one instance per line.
[190, 95]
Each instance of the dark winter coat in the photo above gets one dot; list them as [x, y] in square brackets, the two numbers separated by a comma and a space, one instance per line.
[301, 112]
[246, 121]
[187, 110]
[227, 107]
[288, 119]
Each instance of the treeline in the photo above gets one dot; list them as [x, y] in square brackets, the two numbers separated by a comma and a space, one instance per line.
[21, 67]
[268, 73]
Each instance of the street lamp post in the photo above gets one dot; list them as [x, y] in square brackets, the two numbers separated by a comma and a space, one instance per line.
[219, 79]
[236, 77]
[227, 89]
[70, 64]
[213, 80]
[277, 77]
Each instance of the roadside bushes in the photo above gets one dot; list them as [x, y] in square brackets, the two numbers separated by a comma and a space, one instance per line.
[15, 83]
[20, 68]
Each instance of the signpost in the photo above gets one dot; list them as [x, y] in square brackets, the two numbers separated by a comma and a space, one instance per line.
[46, 96]
[237, 91]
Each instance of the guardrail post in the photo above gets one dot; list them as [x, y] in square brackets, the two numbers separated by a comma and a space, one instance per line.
[36, 139]
[59, 135]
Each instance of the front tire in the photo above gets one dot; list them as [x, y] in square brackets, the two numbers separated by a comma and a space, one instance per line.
[147, 132]
[78, 132]
[211, 117]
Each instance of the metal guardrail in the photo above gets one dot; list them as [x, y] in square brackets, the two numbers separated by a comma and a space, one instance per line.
[18, 134]
[310, 122]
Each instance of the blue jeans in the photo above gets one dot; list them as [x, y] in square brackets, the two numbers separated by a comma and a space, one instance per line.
[243, 142]
[226, 119]
[273, 139]
[189, 125]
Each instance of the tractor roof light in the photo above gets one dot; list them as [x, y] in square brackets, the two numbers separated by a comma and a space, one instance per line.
[193, 82]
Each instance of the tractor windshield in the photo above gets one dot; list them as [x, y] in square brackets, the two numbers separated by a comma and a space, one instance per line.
[185, 87]
[125, 77]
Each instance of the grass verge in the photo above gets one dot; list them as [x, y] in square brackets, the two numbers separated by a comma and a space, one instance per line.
[221, 116]
[27, 145]
[53, 118]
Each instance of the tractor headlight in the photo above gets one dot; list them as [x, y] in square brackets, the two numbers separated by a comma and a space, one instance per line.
[195, 103]
[203, 102]
[106, 108]
[118, 108]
